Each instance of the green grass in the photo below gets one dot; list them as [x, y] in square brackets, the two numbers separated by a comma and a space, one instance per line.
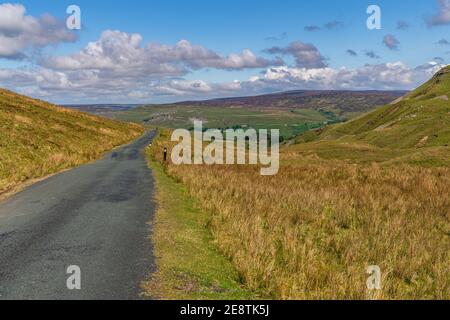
[189, 265]
[420, 119]
[38, 139]
[406, 124]
[413, 130]
[289, 122]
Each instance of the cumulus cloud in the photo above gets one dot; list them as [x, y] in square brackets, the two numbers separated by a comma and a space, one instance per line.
[20, 32]
[119, 65]
[391, 42]
[90, 87]
[305, 54]
[385, 76]
[194, 88]
[182, 87]
[124, 53]
[444, 42]
[442, 17]
[197, 57]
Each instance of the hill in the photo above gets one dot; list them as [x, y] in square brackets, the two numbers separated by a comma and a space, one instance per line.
[292, 112]
[102, 110]
[345, 101]
[38, 138]
[419, 122]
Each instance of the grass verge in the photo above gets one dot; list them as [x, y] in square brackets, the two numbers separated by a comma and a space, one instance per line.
[189, 265]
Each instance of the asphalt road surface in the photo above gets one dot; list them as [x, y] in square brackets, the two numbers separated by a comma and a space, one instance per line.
[94, 217]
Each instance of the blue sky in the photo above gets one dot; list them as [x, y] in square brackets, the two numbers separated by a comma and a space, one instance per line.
[53, 68]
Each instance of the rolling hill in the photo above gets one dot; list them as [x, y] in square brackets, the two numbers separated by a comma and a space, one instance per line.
[292, 112]
[38, 138]
[419, 121]
[346, 101]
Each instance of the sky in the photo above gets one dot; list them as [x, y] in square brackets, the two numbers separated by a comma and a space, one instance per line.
[138, 51]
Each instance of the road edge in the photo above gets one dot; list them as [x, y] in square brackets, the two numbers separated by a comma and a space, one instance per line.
[189, 266]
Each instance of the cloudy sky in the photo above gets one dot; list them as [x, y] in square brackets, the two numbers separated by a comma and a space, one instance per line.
[138, 51]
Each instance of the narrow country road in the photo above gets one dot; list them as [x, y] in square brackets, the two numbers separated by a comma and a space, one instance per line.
[95, 217]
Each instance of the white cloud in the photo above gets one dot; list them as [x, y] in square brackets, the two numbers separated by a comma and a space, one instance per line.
[384, 76]
[196, 56]
[187, 89]
[89, 86]
[119, 67]
[182, 87]
[20, 32]
[124, 53]
[442, 17]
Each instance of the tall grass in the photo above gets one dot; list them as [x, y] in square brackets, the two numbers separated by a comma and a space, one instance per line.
[312, 231]
[37, 138]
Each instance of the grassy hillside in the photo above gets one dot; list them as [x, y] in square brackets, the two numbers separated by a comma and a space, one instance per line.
[344, 101]
[420, 119]
[414, 129]
[37, 138]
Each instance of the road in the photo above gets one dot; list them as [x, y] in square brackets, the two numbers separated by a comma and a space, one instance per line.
[95, 217]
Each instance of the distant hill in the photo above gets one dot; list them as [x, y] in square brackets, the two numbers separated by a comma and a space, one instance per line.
[37, 138]
[346, 101]
[417, 121]
[291, 112]
[104, 110]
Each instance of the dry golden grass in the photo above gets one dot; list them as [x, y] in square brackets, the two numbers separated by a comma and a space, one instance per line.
[311, 231]
[38, 139]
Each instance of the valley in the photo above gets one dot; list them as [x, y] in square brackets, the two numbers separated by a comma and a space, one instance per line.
[292, 113]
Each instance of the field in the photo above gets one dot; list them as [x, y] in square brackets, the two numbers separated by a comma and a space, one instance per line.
[38, 139]
[289, 122]
[292, 113]
[312, 231]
